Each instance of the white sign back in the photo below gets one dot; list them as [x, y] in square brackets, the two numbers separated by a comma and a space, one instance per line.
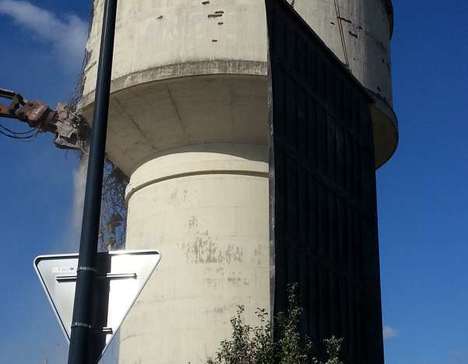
[120, 279]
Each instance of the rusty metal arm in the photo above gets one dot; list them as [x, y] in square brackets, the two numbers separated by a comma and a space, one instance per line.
[70, 129]
[16, 101]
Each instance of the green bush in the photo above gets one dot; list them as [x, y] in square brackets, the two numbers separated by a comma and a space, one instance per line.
[256, 345]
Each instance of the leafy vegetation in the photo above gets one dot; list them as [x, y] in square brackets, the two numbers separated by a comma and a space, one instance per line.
[257, 345]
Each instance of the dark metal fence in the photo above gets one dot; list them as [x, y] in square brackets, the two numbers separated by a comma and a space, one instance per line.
[324, 218]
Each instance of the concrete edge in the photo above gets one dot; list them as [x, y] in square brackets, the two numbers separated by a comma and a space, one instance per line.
[385, 129]
[384, 121]
[391, 15]
[158, 170]
[182, 70]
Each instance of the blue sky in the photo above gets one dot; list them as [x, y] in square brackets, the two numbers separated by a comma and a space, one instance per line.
[422, 191]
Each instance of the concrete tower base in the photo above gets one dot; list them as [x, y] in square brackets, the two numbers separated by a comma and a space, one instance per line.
[207, 212]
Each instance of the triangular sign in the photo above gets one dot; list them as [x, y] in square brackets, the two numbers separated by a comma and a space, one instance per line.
[121, 277]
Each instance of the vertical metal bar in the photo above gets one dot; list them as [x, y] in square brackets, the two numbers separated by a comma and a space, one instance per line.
[82, 331]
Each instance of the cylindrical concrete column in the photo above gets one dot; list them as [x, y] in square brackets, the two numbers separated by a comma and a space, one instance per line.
[206, 210]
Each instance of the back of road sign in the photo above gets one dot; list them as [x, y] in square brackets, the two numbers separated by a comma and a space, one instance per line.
[121, 277]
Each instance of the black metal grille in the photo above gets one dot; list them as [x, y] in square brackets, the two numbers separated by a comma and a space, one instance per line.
[324, 219]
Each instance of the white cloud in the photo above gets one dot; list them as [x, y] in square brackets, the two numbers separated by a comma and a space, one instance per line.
[67, 35]
[389, 333]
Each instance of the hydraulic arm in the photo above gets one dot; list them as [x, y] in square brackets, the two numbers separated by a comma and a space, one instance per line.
[71, 130]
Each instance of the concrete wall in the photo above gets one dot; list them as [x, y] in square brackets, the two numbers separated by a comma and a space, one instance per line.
[366, 30]
[207, 213]
[165, 40]
[159, 39]
[188, 123]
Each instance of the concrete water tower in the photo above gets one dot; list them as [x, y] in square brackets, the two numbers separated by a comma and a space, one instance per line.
[189, 126]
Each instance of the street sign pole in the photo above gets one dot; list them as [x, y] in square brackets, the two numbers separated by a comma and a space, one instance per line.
[82, 326]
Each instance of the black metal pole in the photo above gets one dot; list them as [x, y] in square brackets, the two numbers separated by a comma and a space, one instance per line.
[82, 330]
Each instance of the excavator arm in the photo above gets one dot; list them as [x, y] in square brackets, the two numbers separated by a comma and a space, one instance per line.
[70, 129]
